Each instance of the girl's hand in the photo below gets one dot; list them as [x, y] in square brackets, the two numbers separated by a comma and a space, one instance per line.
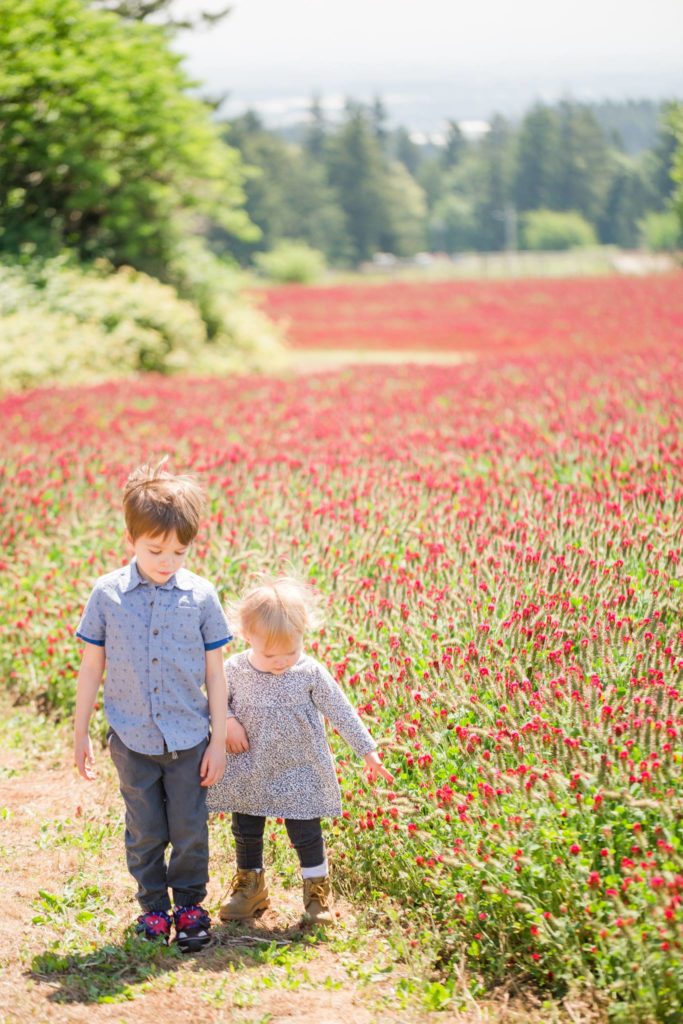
[374, 767]
[236, 739]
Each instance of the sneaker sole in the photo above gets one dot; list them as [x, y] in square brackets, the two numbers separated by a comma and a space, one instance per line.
[193, 944]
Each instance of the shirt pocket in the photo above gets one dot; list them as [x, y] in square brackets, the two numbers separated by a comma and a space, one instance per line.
[185, 625]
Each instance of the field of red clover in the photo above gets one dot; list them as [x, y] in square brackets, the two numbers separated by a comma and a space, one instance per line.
[499, 546]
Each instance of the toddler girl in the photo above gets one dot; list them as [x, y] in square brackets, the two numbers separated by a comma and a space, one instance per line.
[278, 762]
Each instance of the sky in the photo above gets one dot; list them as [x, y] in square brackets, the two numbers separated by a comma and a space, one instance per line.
[497, 50]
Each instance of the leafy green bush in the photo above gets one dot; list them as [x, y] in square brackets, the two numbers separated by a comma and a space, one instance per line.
[555, 230]
[61, 322]
[102, 149]
[662, 232]
[291, 262]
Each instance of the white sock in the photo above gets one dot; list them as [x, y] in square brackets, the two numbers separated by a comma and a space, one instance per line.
[317, 872]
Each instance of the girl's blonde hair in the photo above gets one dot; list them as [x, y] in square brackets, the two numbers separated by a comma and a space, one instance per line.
[277, 608]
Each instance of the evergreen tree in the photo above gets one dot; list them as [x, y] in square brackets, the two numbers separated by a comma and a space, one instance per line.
[663, 157]
[314, 140]
[406, 214]
[432, 180]
[406, 151]
[584, 163]
[357, 173]
[379, 123]
[675, 120]
[493, 198]
[454, 146]
[536, 161]
[628, 200]
[287, 196]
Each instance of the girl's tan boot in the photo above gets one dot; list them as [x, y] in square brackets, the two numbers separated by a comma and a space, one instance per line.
[318, 900]
[248, 896]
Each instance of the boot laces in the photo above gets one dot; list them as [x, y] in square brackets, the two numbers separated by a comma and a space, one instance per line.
[241, 880]
[317, 892]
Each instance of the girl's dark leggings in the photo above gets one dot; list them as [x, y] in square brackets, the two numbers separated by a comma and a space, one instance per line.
[306, 837]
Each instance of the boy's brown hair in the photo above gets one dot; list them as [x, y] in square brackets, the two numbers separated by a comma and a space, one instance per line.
[156, 502]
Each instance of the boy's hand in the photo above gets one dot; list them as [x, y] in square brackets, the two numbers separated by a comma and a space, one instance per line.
[213, 763]
[374, 767]
[236, 739]
[83, 757]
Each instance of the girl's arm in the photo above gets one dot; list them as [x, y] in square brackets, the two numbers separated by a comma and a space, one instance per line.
[88, 683]
[213, 762]
[236, 739]
[329, 698]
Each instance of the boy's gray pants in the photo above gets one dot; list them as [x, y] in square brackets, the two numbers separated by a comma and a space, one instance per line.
[165, 804]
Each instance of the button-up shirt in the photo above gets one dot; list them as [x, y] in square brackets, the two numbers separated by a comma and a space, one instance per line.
[155, 637]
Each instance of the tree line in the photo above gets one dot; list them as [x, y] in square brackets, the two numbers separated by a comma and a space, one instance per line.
[356, 187]
[106, 152]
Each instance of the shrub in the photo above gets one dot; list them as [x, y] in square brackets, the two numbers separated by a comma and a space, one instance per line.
[291, 262]
[661, 232]
[64, 323]
[556, 230]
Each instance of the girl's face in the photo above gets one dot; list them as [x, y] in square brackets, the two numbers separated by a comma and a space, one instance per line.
[274, 657]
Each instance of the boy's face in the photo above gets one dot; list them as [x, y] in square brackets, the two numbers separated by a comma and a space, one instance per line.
[158, 557]
[276, 658]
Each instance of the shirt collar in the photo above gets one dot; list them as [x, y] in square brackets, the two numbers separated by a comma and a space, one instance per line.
[131, 578]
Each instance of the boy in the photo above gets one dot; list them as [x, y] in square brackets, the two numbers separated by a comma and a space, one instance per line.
[160, 629]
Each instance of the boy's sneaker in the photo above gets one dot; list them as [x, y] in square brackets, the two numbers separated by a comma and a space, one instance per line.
[192, 928]
[248, 896]
[154, 926]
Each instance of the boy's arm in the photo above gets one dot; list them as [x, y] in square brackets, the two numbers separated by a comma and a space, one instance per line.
[213, 762]
[89, 681]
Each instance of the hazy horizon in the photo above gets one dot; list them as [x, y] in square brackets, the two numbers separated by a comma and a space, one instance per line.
[431, 59]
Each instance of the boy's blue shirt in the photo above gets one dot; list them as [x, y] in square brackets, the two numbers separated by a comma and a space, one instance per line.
[155, 638]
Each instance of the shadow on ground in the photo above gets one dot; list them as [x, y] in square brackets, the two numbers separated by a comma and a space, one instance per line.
[114, 971]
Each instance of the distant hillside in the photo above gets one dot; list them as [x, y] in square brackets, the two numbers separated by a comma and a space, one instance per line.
[631, 123]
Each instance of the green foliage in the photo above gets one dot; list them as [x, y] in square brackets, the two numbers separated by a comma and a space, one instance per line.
[101, 149]
[452, 225]
[629, 196]
[63, 323]
[287, 196]
[556, 230]
[356, 171]
[662, 232]
[537, 159]
[291, 262]
[356, 188]
[406, 212]
[675, 124]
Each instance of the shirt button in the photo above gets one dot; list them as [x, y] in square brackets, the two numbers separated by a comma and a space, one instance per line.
[155, 661]
[155, 632]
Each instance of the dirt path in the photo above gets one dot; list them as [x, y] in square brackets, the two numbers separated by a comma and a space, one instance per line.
[327, 360]
[66, 953]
